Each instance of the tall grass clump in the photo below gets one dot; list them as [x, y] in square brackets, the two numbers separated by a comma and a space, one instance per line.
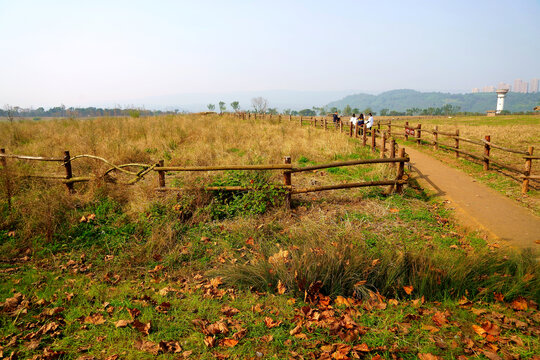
[353, 270]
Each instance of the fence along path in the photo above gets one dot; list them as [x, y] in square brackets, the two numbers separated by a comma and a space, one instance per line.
[487, 146]
[478, 207]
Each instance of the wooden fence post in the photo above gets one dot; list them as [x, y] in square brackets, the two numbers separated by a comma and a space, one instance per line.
[364, 134]
[389, 128]
[314, 121]
[161, 175]
[457, 143]
[325, 128]
[350, 130]
[7, 183]
[383, 144]
[436, 136]
[393, 151]
[400, 171]
[287, 179]
[69, 171]
[340, 126]
[290, 118]
[373, 141]
[486, 152]
[406, 128]
[300, 121]
[528, 168]
[356, 130]
[418, 133]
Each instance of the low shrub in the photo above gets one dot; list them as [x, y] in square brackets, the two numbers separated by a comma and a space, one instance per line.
[226, 204]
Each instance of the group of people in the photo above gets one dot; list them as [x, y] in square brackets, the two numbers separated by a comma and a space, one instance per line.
[356, 121]
[359, 121]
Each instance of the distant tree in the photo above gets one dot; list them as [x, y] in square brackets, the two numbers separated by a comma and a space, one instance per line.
[384, 112]
[287, 112]
[235, 106]
[368, 110]
[259, 104]
[134, 113]
[10, 112]
[272, 111]
[295, 113]
[334, 109]
[222, 107]
[356, 111]
[347, 110]
[211, 107]
[307, 112]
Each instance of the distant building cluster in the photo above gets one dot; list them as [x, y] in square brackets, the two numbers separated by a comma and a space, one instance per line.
[520, 86]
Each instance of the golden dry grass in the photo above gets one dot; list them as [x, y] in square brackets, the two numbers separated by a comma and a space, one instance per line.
[195, 140]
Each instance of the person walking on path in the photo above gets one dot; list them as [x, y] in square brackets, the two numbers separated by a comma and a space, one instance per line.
[354, 120]
[335, 118]
[369, 122]
[360, 122]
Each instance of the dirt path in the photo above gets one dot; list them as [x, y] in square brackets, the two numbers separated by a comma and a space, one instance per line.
[477, 206]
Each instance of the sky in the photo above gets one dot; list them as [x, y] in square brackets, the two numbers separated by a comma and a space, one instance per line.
[97, 53]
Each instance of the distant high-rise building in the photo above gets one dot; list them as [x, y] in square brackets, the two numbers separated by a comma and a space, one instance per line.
[517, 85]
[521, 86]
[488, 88]
[475, 90]
[534, 85]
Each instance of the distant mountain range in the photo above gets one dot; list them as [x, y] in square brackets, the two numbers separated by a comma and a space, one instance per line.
[401, 100]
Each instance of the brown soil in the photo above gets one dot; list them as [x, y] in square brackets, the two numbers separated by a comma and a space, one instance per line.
[477, 206]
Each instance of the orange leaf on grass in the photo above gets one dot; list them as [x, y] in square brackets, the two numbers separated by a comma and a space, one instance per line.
[519, 304]
[122, 323]
[271, 323]
[229, 342]
[362, 347]
[142, 327]
[95, 319]
[408, 289]
[281, 288]
[479, 330]
[428, 356]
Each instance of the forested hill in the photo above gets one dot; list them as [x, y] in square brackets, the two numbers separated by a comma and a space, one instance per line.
[400, 100]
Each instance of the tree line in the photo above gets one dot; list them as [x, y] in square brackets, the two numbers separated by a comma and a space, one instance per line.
[11, 112]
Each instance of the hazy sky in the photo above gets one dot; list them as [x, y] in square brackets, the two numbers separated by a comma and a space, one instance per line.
[101, 52]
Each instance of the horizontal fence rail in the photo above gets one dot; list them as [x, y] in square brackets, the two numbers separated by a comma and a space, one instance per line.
[287, 168]
[370, 136]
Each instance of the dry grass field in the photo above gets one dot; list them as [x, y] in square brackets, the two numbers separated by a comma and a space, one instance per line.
[115, 271]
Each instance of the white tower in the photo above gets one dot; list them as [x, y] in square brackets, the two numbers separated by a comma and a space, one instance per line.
[501, 93]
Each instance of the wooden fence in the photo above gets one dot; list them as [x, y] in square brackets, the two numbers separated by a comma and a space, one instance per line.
[395, 184]
[486, 145]
[415, 132]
